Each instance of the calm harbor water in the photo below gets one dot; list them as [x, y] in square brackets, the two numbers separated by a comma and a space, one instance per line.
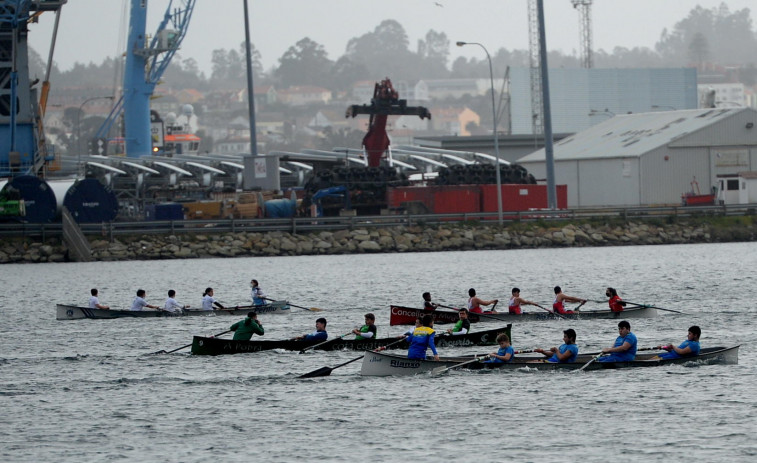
[89, 390]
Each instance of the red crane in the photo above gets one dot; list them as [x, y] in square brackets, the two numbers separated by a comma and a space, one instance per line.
[385, 102]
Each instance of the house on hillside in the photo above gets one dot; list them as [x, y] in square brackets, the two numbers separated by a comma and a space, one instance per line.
[302, 95]
[651, 158]
[453, 121]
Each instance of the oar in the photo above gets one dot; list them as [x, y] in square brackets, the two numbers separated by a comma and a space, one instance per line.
[325, 371]
[184, 347]
[590, 361]
[552, 312]
[441, 370]
[653, 307]
[311, 309]
[322, 343]
[473, 313]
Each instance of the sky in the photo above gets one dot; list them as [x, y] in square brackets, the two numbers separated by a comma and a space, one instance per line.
[91, 30]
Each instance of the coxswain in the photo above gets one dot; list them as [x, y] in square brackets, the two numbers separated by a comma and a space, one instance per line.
[615, 303]
[256, 293]
[244, 329]
[422, 339]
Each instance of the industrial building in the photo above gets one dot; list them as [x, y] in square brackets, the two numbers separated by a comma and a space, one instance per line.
[651, 158]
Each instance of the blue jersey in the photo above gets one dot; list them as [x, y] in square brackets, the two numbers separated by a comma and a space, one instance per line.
[317, 336]
[626, 356]
[562, 349]
[693, 345]
[421, 339]
[503, 351]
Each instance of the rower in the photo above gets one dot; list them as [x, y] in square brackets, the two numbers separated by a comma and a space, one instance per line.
[687, 348]
[505, 353]
[421, 339]
[319, 334]
[139, 302]
[94, 302]
[172, 305]
[462, 326]
[516, 301]
[624, 349]
[560, 297]
[208, 301]
[615, 303]
[475, 302]
[367, 331]
[427, 304]
[566, 353]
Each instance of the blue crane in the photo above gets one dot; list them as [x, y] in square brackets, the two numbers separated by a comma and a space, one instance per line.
[145, 64]
[22, 141]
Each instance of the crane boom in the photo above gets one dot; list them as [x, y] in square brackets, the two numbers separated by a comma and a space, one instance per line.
[145, 64]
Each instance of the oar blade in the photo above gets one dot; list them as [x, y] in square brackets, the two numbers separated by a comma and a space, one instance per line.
[438, 371]
[325, 371]
[315, 309]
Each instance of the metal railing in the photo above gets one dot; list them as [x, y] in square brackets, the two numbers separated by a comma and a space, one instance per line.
[306, 224]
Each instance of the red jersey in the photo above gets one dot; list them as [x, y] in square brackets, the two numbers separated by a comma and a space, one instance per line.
[615, 305]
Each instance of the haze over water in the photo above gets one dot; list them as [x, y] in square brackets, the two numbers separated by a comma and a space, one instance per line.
[88, 390]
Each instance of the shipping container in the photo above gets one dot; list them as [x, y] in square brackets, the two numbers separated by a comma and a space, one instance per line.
[164, 211]
[203, 210]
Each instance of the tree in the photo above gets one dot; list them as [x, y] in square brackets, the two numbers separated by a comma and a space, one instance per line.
[384, 52]
[305, 63]
[699, 49]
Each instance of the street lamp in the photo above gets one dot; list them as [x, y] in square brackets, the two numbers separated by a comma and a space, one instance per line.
[78, 125]
[494, 123]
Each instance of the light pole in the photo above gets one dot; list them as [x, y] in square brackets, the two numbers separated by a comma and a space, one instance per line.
[78, 125]
[494, 123]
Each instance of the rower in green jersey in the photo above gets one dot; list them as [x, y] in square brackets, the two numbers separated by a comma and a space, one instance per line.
[462, 326]
[367, 331]
[243, 330]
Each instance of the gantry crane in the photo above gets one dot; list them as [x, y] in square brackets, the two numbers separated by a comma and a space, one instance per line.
[145, 64]
[584, 31]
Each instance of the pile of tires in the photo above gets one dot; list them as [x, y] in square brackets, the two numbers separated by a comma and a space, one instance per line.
[367, 187]
[483, 174]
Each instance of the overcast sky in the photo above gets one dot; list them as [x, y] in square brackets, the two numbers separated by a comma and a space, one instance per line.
[91, 30]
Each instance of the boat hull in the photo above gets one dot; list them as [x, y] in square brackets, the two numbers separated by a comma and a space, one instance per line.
[399, 315]
[72, 312]
[383, 364]
[220, 346]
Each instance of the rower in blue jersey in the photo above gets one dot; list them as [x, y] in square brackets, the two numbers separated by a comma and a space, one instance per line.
[422, 339]
[319, 334]
[505, 354]
[624, 349]
[687, 348]
[566, 353]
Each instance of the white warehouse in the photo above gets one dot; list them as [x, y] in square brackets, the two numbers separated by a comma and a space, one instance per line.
[651, 158]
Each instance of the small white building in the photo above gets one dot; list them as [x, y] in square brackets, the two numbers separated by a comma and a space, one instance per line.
[651, 158]
[738, 188]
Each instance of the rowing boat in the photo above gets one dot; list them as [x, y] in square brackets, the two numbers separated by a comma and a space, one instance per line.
[218, 346]
[406, 315]
[72, 312]
[383, 364]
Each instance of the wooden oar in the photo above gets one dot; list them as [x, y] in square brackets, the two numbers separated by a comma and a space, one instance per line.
[184, 347]
[590, 362]
[322, 343]
[653, 307]
[311, 309]
[325, 371]
[473, 313]
[441, 370]
[552, 312]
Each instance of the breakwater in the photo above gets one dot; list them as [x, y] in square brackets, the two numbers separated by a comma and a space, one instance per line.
[453, 237]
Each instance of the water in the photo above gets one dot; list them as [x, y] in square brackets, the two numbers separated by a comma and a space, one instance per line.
[88, 390]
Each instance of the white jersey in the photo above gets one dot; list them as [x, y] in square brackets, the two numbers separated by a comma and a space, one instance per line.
[138, 304]
[172, 305]
[207, 302]
[93, 302]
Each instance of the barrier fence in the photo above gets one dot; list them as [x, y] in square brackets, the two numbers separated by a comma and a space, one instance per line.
[296, 225]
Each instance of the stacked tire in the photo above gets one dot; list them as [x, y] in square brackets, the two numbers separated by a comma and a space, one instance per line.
[484, 174]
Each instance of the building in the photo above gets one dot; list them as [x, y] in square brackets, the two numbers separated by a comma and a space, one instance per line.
[651, 158]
